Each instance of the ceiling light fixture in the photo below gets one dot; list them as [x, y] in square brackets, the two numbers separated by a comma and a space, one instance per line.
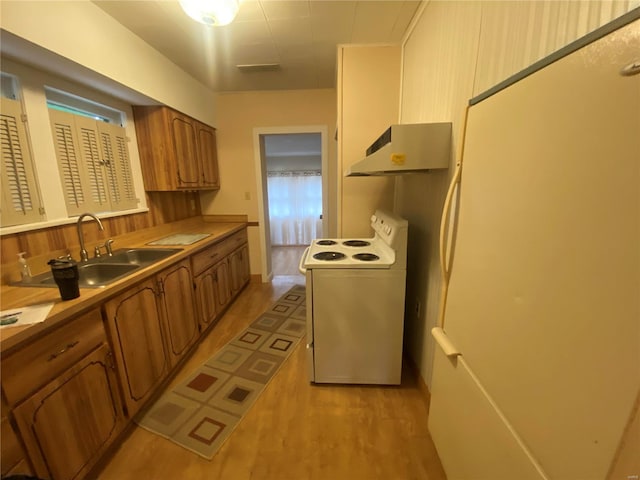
[211, 12]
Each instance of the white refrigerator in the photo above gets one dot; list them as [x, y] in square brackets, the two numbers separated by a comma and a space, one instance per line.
[539, 373]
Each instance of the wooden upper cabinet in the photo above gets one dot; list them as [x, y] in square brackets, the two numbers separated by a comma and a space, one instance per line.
[208, 154]
[177, 152]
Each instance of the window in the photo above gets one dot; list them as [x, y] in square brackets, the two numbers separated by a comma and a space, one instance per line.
[295, 206]
[93, 162]
[20, 197]
[68, 143]
[67, 102]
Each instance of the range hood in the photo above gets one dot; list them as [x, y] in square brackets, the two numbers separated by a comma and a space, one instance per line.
[409, 148]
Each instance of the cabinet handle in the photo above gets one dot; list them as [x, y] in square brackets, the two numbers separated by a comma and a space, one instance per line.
[110, 363]
[214, 255]
[69, 346]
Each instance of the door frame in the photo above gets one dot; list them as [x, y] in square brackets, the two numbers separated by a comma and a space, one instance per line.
[261, 182]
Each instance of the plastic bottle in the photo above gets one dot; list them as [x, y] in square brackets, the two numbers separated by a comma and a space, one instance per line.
[25, 271]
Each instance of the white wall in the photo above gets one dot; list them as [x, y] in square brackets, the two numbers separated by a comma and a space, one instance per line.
[85, 36]
[239, 115]
[455, 51]
[368, 97]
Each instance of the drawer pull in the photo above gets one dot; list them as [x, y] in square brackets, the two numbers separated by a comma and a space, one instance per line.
[69, 346]
[214, 255]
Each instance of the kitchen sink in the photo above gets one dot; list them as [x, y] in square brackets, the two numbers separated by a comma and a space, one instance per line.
[96, 274]
[99, 272]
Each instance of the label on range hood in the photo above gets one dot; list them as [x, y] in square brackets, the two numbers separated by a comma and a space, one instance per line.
[398, 158]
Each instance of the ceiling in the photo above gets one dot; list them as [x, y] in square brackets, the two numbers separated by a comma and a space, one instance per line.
[300, 36]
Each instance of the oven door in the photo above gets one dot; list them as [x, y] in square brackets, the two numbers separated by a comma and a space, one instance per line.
[357, 325]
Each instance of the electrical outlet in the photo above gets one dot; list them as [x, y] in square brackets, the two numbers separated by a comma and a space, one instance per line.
[418, 308]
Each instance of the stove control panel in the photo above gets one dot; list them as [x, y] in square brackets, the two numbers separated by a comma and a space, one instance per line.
[388, 227]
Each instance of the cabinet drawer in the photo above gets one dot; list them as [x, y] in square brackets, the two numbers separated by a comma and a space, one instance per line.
[235, 240]
[213, 254]
[204, 259]
[39, 362]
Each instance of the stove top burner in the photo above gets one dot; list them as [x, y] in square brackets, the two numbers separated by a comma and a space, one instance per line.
[356, 243]
[329, 256]
[326, 242]
[366, 257]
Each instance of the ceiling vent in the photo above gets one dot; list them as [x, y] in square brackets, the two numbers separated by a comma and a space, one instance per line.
[259, 67]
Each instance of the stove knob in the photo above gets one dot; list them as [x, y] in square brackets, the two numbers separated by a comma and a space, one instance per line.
[373, 219]
[387, 230]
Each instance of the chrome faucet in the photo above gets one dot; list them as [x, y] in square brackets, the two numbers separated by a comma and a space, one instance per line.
[84, 255]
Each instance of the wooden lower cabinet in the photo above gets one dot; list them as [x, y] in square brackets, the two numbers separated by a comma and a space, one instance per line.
[213, 293]
[70, 396]
[152, 327]
[69, 423]
[178, 310]
[135, 327]
[13, 458]
[206, 298]
[239, 265]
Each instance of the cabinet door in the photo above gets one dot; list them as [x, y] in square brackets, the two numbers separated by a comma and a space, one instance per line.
[186, 150]
[206, 298]
[12, 456]
[178, 306]
[208, 151]
[135, 325]
[239, 262]
[69, 423]
[222, 283]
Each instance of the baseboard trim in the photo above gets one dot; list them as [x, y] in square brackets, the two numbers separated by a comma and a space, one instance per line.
[256, 278]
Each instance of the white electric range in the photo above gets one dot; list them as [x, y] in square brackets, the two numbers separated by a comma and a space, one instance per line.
[355, 304]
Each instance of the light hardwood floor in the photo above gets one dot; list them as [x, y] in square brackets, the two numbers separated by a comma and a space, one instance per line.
[285, 260]
[295, 430]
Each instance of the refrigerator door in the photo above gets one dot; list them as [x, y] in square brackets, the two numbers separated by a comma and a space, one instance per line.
[543, 296]
[472, 440]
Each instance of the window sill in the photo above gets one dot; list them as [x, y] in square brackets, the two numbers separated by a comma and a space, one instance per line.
[28, 227]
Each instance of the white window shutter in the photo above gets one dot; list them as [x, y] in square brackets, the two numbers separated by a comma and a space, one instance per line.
[118, 166]
[20, 196]
[94, 161]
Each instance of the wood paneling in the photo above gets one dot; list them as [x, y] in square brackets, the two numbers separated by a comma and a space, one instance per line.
[44, 244]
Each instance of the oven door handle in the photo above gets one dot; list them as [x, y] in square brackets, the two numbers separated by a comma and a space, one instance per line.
[303, 259]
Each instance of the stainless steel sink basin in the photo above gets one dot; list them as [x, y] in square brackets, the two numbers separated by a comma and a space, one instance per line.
[140, 256]
[99, 272]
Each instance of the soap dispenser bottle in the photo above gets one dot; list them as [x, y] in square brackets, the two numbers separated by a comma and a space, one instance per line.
[25, 271]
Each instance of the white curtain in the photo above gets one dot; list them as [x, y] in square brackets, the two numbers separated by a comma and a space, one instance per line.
[295, 206]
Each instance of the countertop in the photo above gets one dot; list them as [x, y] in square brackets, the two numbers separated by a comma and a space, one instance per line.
[15, 297]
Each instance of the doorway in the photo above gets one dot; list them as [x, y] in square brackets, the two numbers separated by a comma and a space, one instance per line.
[291, 164]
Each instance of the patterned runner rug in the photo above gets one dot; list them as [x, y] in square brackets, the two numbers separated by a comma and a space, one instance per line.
[201, 412]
